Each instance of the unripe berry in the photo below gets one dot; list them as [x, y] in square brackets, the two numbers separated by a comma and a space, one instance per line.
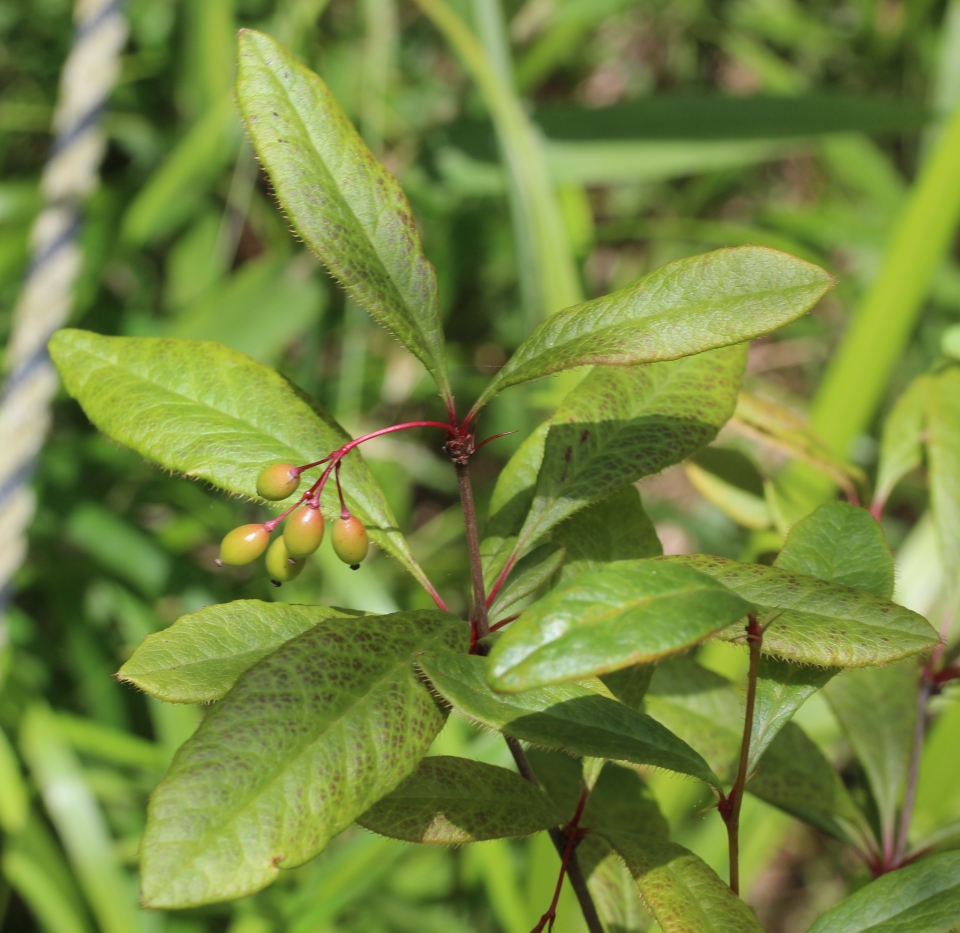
[303, 531]
[243, 544]
[278, 481]
[350, 541]
[278, 563]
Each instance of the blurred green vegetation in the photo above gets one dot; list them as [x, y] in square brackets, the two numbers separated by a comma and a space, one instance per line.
[604, 138]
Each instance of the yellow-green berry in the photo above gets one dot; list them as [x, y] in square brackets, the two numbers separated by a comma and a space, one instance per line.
[303, 531]
[278, 481]
[350, 541]
[280, 565]
[244, 544]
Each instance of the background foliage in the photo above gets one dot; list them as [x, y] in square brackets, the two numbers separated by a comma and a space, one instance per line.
[183, 239]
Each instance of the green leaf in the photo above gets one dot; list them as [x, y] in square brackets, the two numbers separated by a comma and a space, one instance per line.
[921, 898]
[700, 303]
[511, 501]
[878, 711]
[621, 424]
[901, 447]
[616, 528]
[943, 450]
[629, 612]
[570, 717]
[199, 658]
[449, 801]
[782, 688]
[683, 893]
[530, 573]
[212, 413]
[342, 202]
[307, 740]
[630, 684]
[794, 775]
[815, 622]
[839, 543]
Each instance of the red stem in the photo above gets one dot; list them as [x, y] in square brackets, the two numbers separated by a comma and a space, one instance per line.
[504, 622]
[573, 836]
[502, 578]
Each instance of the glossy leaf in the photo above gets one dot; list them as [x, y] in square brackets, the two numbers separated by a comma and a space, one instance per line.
[920, 898]
[616, 528]
[818, 622]
[700, 303]
[306, 741]
[683, 893]
[342, 202]
[839, 543]
[199, 658]
[448, 801]
[628, 612]
[214, 414]
[943, 450]
[877, 709]
[901, 447]
[570, 717]
[621, 424]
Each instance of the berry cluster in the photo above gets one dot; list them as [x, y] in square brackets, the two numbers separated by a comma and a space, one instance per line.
[304, 527]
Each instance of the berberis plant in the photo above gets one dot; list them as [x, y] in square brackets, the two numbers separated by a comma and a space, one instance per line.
[579, 626]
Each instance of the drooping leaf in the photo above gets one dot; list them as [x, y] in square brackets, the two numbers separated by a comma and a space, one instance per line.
[839, 543]
[943, 450]
[815, 622]
[794, 776]
[920, 898]
[616, 528]
[700, 303]
[343, 203]
[701, 707]
[683, 893]
[307, 740]
[706, 712]
[213, 413]
[621, 424]
[571, 717]
[877, 709]
[449, 801]
[199, 658]
[901, 446]
[628, 612]
[529, 574]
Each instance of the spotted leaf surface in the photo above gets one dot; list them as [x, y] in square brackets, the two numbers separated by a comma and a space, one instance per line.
[683, 893]
[199, 658]
[815, 622]
[307, 740]
[344, 204]
[214, 414]
[700, 303]
[626, 613]
[621, 424]
[570, 717]
[449, 801]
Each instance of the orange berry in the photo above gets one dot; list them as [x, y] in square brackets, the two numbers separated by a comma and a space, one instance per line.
[303, 531]
[244, 544]
[278, 481]
[279, 564]
[350, 542]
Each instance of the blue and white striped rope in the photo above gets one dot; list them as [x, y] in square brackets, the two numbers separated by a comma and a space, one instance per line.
[69, 177]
